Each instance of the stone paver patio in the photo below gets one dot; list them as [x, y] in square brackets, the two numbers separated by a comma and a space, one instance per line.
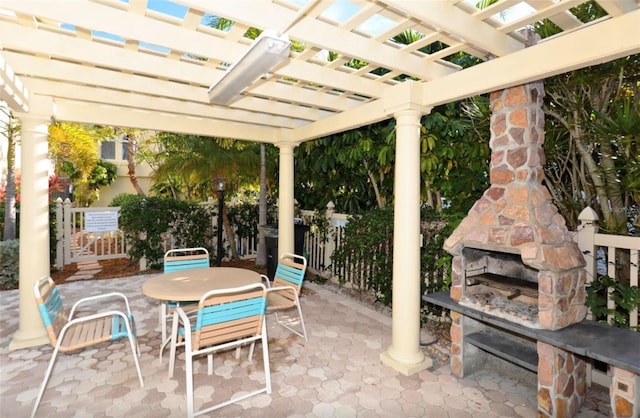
[336, 374]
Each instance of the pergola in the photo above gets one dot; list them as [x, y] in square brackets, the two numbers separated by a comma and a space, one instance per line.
[132, 64]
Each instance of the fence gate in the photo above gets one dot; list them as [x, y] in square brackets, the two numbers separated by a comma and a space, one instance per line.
[87, 234]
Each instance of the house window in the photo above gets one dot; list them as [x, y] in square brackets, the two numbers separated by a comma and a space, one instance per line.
[108, 150]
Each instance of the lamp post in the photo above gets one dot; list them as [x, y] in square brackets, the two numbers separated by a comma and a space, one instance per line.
[220, 184]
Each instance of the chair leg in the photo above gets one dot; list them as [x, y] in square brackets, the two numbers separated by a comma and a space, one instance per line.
[163, 346]
[265, 357]
[173, 340]
[133, 353]
[189, 382]
[163, 320]
[47, 375]
[304, 329]
[302, 334]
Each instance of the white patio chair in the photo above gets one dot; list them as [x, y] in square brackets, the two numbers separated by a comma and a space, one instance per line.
[225, 319]
[175, 260]
[68, 332]
[284, 293]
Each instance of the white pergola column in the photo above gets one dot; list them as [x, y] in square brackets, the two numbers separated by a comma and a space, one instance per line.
[286, 199]
[34, 219]
[405, 354]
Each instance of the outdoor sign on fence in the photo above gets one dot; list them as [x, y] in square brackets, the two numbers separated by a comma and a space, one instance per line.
[101, 221]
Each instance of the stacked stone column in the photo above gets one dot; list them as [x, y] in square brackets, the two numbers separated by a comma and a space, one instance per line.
[561, 382]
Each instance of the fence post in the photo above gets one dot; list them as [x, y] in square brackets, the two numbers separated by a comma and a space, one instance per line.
[67, 231]
[329, 241]
[59, 235]
[586, 238]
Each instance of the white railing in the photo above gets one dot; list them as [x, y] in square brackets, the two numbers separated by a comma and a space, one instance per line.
[602, 254]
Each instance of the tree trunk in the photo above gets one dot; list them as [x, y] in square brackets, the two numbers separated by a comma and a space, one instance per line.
[131, 161]
[261, 258]
[579, 104]
[229, 233]
[379, 198]
[10, 199]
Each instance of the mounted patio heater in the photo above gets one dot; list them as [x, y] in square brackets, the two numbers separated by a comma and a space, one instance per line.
[268, 50]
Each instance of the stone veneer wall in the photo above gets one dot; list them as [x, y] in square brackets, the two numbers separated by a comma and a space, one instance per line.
[561, 382]
[516, 214]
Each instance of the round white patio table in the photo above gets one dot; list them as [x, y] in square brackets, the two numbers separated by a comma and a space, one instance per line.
[190, 285]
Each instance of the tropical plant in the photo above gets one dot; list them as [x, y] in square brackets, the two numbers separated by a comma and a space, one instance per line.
[190, 166]
[592, 140]
[366, 249]
[87, 190]
[454, 155]
[10, 130]
[73, 149]
[351, 169]
[625, 298]
[9, 264]
[75, 144]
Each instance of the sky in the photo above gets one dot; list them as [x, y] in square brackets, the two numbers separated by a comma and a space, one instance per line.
[340, 11]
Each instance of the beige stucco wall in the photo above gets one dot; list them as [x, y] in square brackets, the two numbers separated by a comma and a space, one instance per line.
[123, 183]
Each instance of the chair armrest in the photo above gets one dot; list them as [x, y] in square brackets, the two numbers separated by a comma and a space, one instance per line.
[117, 295]
[184, 322]
[266, 280]
[91, 317]
[282, 289]
[183, 317]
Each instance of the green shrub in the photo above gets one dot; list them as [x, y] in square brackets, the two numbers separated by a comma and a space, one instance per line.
[9, 264]
[148, 221]
[244, 217]
[367, 248]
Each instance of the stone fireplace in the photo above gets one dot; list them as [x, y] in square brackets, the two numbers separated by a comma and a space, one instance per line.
[513, 256]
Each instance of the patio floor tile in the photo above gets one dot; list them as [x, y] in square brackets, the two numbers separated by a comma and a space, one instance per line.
[338, 373]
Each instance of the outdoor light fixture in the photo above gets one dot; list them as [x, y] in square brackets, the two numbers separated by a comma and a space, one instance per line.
[220, 187]
[267, 51]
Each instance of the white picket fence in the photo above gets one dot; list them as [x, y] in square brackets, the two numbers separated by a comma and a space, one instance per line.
[87, 234]
[92, 234]
[320, 243]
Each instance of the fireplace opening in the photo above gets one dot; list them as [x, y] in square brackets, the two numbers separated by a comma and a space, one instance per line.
[500, 284]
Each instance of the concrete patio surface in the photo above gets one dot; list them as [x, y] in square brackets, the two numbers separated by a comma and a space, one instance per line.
[338, 373]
